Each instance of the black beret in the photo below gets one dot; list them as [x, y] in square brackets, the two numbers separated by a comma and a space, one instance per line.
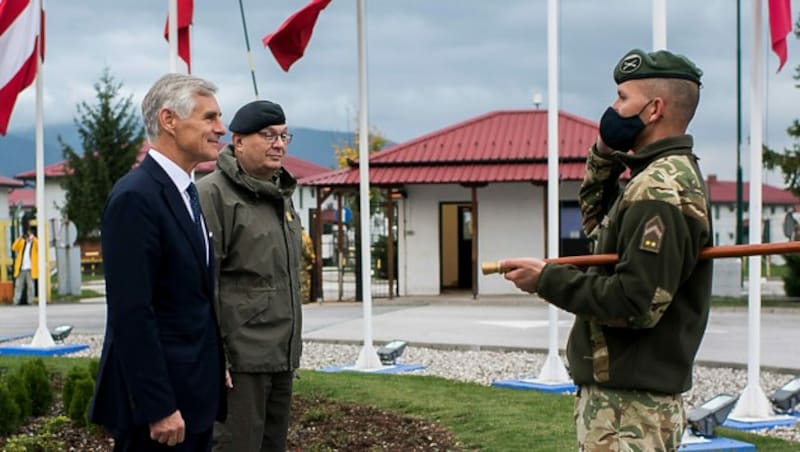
[255, 116]
[638, 64]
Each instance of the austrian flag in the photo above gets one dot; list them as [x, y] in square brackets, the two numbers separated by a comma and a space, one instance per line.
[19, 30]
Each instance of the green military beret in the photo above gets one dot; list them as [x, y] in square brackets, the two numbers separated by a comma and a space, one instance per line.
[638, 64]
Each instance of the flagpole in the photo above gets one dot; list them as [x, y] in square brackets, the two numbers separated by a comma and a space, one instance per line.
[249, 54]
[368, 358]
[553, 370]
[659, 24]
[753, 403]
[172, 20]
[42, 337]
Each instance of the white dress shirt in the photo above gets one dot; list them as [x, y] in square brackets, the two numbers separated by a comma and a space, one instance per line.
[181, 181]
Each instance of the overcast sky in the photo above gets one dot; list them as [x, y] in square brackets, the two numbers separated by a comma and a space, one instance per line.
[430, 63]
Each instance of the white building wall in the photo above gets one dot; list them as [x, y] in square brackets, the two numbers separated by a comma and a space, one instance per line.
[418, 240]
[4, 211]
[511, 223]
[724, 220]
[55, 198]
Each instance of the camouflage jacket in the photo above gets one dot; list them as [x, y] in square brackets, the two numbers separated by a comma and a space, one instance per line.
[639, 323]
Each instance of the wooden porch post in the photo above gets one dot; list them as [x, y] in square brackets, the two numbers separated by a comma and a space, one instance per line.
[318, 246]
[339, 245]
[390, 242]
[474, 226]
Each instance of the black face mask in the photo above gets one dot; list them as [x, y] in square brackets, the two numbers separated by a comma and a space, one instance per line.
[618, 132]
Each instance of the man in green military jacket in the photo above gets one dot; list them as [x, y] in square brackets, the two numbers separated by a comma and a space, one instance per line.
[638, 323]
[257, 249]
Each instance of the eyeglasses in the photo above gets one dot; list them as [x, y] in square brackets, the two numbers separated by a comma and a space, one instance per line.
[273, 137]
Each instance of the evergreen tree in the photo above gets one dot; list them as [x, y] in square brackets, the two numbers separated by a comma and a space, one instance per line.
[111, 135]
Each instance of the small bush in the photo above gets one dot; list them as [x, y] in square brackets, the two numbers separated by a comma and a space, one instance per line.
[40, 442]
[791, 281]
[74, 374]
[78, 409]
[9, 411]
[94, 368]
[19, 392]
[35, 375]
[55, 424]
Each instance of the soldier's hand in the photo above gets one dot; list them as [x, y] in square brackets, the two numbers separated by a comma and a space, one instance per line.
[602, 147]
[523, 272]
[170, 431]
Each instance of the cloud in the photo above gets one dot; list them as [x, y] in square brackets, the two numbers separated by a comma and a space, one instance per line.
[431, 63]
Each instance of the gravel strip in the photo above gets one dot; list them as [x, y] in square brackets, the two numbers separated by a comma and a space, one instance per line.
[484, 367]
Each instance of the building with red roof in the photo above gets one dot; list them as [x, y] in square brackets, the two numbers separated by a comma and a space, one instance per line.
[7, 186]
[777, 204]
[476, 191]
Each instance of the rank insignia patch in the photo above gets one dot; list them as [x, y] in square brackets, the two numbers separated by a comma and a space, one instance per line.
[652, 235]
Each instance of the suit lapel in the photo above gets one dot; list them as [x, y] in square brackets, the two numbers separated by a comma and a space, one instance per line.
[174, 200]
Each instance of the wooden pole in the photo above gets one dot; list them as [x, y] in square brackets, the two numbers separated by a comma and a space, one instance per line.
[712, 252]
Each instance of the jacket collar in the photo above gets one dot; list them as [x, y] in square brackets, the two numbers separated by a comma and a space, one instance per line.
[280, 187]
[679, 145]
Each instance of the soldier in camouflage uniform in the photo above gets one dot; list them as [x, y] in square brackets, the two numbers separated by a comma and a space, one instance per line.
[638, 323]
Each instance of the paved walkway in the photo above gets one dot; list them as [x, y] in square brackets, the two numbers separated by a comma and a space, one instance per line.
[507, 322]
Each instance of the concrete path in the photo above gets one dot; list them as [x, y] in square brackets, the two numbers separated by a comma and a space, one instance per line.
[511, 322]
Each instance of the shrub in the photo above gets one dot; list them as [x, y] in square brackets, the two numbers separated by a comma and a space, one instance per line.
[78, 409]
[35, 375]
[40, 442]
[94, 368]
[19, 392]
[791, 282]
[9, 411]
[75, 373]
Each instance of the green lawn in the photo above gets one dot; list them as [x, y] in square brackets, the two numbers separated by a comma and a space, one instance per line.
[480, 417]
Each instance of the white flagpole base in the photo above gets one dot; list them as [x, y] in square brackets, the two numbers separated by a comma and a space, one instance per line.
[553, 370]
[752, 404]
[42, 338]
[368, 358]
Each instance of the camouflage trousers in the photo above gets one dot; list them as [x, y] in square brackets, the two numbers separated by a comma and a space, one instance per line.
[622, 421]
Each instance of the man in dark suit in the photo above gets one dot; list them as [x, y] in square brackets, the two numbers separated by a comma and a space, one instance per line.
[160, 384]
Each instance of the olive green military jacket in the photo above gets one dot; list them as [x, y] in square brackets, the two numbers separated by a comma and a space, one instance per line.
[257, 248]
[639, 323]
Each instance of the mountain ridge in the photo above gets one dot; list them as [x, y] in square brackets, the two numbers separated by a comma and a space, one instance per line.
[17, 149]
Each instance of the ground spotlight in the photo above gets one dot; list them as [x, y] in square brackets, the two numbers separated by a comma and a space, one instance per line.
[704, 418]
[391, 351]
[786, 397]
[61, 332]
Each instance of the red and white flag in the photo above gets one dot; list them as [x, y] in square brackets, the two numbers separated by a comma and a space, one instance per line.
[19, 29]
[289, 41]
[185, 12]
[780, 25]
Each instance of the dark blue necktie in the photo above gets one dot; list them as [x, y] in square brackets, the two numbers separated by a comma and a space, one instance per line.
[194, 203]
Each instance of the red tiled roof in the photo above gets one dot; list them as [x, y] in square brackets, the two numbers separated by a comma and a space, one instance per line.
[448, 174]
[506, 135]
[501, 146]
[9, 182]
[22, 196]
[54, 170]
[725, 192]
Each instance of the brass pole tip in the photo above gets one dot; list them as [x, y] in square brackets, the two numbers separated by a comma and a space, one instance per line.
[491, 267]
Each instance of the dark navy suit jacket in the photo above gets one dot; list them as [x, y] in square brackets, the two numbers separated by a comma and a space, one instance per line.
[162, 349]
